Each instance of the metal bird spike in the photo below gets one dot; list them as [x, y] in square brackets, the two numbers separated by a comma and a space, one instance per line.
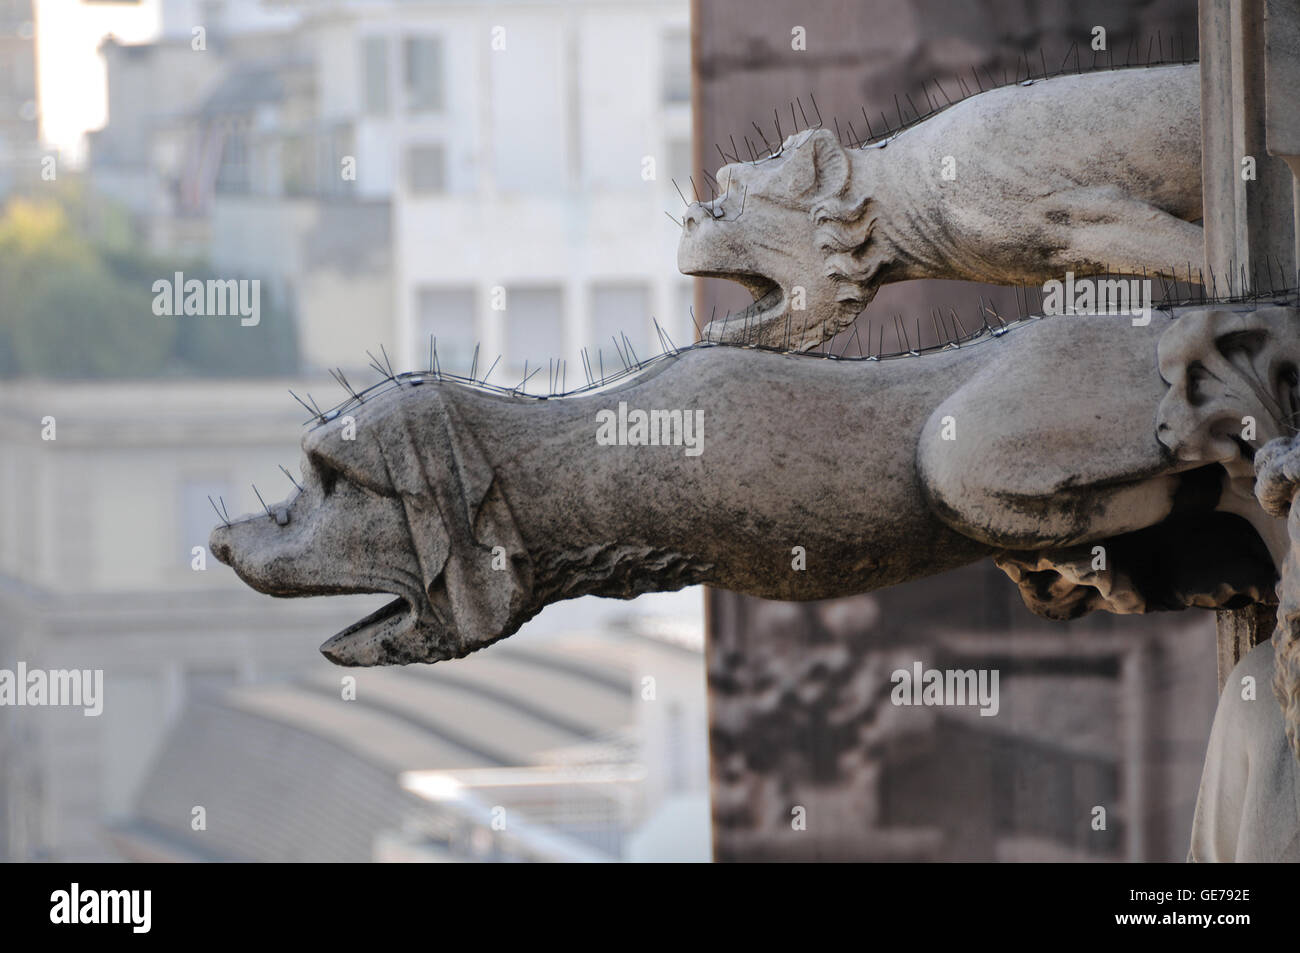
[926, 93]
[315, 412]
[262, 501]
[659, 333]
[698, 333]
[290, 476]
[379, 368]
[343, 382]
[217, 511]
[957, 321]
[679, 192]
[1073, 49]
[619, 350]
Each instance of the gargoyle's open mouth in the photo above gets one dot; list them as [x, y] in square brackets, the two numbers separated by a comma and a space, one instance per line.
[768, 306]
[330, 539]
[382, 625]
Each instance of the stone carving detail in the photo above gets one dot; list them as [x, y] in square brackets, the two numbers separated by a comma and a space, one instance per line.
[1232, 381]
[1278, 480]
[477, 509]
[1233, 388]
[1227, 368]
[815, 229]
[1063, 584]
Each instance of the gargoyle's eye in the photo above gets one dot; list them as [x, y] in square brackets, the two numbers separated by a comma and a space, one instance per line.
[1242, 344]
[1288, 392]
[325, 473]
[1196, 375]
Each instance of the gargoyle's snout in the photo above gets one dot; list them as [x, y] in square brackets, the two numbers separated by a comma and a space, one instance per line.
[219, 545]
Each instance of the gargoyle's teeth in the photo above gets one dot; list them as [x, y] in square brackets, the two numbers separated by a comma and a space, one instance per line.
[356, 644]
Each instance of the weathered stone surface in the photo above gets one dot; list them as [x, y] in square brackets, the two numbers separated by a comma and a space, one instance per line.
[1279, 480]
[478, 509]
[1108, 178]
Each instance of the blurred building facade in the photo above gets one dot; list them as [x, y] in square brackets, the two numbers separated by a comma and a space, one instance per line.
[483, 174]
[356, 157]
[19, 115]
[216, 697]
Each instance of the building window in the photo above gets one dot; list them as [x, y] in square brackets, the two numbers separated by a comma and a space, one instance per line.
[619, 310]
[233, 173]
[426, 170]
[374, 71]
[677, 67]
[534, 333]
[332, 147]
[447, 315]
[422, 73]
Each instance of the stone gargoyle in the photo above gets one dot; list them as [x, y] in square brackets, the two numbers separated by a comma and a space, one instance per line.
[1094, 172]
[798, 476]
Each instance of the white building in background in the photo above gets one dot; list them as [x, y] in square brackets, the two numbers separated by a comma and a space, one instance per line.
[529, 150]
[483, 173]
[523, 168]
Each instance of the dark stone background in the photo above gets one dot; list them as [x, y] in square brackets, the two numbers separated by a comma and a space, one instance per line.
[1107, 711]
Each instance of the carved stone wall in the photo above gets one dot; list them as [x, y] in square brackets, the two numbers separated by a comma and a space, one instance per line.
[1105, 711]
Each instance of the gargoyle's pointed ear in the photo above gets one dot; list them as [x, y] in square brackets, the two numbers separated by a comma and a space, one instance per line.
[820, 164]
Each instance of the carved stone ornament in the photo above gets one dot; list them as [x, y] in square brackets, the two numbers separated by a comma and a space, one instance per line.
[816, 227]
